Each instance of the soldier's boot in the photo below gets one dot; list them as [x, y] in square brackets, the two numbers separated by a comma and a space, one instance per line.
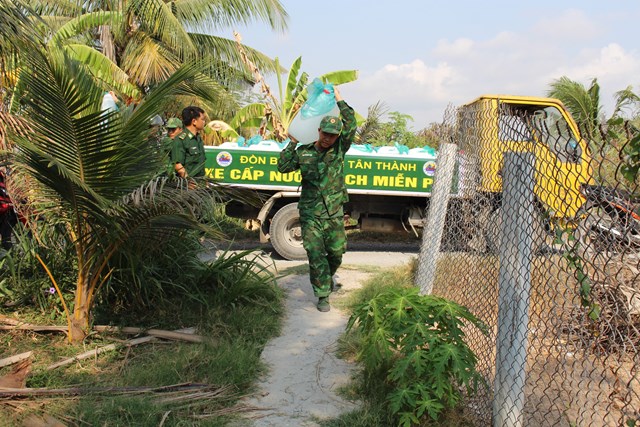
[323, 304]
[335, 286]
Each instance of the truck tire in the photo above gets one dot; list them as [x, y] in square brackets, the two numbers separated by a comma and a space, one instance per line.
[286, 234]
[493, 231]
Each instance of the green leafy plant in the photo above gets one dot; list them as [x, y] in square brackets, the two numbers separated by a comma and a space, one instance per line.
[23, 282]
[631, 158]
[576, 263]
[280, 112]
[415, 345]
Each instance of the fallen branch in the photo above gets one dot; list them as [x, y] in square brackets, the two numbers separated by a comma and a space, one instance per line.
[99, 350]
[75, 391]
[111, 347]
[182, 335]
[9, 321]
[164, 418]
[14, 359]
[35, 328]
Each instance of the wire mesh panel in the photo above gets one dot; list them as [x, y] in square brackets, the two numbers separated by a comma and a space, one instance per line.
[582, 296]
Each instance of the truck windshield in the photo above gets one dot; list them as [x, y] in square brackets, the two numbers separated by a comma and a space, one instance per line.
[544, 125]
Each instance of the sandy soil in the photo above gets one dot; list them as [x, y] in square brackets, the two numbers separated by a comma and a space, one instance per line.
[305, 375]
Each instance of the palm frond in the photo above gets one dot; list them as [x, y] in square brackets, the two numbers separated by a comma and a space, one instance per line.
[81, 154]
[147, 61]
[371, 129]
[157, 20]
[85, 22]
[218, 100]
[58, 7]
[226, 50]
[103, 69]
[18, 29]
[54, 23]
[209, 16]
[582, 103]
[625, 99]
[573, 94]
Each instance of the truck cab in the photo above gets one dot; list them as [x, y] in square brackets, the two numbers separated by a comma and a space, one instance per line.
[494, 124]
[491, 125]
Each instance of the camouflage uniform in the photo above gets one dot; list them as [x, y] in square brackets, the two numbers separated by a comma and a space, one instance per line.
[188, 149]
[167, 144]
[321, 201]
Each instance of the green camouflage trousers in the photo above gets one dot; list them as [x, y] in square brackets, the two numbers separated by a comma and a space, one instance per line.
[325, 241]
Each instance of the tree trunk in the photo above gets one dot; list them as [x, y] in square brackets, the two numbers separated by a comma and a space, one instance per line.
[79, 325]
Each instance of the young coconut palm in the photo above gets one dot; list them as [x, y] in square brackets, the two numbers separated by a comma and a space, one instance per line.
[93, 171]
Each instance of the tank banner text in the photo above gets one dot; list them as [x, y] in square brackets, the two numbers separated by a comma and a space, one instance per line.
[240, 166]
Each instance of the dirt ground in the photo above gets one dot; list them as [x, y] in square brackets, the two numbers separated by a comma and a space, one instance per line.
[305, 375]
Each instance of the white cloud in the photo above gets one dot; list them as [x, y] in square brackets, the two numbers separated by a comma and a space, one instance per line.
[521, 63]
[457, 48]
[570, 24]
[411, 88]
[608, 61]
[613, 66]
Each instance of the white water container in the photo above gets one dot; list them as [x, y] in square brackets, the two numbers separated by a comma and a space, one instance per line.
[305, 129]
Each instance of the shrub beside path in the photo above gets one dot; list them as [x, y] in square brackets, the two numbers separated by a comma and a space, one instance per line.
[305, 375]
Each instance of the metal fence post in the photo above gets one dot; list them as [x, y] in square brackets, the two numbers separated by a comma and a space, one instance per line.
[515, 285]
[433, 228]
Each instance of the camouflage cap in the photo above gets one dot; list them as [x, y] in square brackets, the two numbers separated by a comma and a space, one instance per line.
[173, 123]
[331, 124]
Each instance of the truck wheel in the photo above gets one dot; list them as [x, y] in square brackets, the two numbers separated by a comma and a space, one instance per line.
[286, 234]
[493, 232]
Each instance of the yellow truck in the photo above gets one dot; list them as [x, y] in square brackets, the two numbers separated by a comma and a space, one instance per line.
[491, 125]
[390, 187]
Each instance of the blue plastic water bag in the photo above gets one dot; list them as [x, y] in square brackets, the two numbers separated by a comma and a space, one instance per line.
[254, 140]
[320, 99]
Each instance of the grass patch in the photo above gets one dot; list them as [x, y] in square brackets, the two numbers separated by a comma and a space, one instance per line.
[237, 305]
[361, 268]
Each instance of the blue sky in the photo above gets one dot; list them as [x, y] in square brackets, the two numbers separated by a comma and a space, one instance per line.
[420, 56]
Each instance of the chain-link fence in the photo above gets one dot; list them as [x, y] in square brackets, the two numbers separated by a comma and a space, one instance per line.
[541, 240]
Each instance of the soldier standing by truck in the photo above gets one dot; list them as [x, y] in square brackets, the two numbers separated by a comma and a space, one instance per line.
[174, 127]
[187, 153]
[322, 196]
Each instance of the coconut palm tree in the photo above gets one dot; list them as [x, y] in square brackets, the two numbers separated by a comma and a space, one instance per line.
[585, 106]
[614, 140]
[17, 33]
[133, 45]
[371, 129]
[92, 172]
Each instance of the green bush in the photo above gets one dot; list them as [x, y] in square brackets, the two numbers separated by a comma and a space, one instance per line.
[413, 347]
[23, 280]
[158, 268]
